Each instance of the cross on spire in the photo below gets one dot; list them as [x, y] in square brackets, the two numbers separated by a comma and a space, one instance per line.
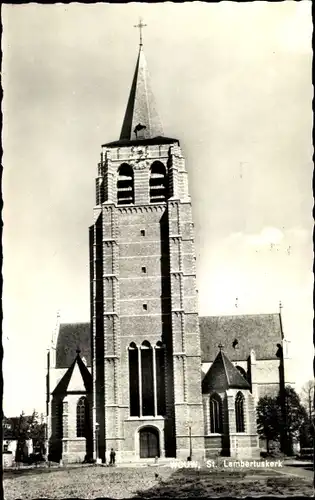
[140, 26]
[220, 346]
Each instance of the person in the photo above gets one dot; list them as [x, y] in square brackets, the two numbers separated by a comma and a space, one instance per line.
[112, 457]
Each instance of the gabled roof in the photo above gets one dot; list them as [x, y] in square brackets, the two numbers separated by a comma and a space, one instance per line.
[73, 336]
[141, 109]
[223, 375]
[82, 383]
[260, 332]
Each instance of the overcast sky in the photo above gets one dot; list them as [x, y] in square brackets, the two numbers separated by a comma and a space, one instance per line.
[233, 82]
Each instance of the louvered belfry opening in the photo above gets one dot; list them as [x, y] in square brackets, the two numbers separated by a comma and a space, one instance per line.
[125, 185]
[158, 183]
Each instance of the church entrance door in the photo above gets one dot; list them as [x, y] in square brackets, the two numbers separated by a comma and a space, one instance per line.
[149, 443]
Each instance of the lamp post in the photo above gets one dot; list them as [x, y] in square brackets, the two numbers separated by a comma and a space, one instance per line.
[189, 422]
[96, 440]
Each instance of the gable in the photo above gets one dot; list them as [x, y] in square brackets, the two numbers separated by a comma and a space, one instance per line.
[260, 332]
[76, 383]
[76, 379]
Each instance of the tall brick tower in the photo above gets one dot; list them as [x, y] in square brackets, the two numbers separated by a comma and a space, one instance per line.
[146, 362]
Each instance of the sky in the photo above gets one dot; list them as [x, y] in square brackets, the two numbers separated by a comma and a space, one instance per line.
[232, 82]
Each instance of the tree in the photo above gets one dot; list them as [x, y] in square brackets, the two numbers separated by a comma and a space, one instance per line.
[26, 428]
[38, 434]
[296, 416]
[307, 398]
[268, 418]
[21, 432]
[270, 422]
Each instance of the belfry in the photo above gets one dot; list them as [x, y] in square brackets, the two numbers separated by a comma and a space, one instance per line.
[144, 376]
[146, 346]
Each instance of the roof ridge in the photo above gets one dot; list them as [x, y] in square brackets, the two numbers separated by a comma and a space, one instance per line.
[238, 315]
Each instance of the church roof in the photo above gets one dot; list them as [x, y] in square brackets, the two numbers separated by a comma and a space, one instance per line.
[83, 378]
[223, 375]
[260, 332]
[73, 336]
[141, 113]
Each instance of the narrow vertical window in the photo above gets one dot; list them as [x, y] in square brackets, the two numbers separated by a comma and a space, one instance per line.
[134, 380]
[160, 378]
[125, 185]
[147, 379]
[216, 420]
[239, 412]
[158, 183]
[82, 417]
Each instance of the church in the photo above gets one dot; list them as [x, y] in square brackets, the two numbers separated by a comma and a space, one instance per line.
[146, 376]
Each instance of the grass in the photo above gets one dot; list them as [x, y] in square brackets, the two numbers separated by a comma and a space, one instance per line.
[142, 483]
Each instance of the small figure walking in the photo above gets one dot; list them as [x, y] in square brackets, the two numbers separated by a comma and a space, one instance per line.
[112, 457]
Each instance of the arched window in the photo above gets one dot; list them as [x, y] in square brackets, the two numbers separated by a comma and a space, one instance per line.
[216, 420]
[242, 372]
[158, 183]
[160, 377]
[82, 417]
[134, 400]
[125, 185]
[147, 378]
[239, 412]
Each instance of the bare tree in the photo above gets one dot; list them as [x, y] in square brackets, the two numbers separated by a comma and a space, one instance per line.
[307, 398]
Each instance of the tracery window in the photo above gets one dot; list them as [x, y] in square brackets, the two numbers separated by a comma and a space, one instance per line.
[216, 414]
[82, 417]
[146, 379]
[239, 412]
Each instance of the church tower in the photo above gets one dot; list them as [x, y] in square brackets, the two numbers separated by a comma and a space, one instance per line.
[146, 358]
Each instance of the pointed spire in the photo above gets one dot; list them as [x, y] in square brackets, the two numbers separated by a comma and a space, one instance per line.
[141, 119]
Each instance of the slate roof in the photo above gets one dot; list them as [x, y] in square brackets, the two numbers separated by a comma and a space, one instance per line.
[62, 386]
[73, 336]
[223, 375]
[141, 107]
[261, 332]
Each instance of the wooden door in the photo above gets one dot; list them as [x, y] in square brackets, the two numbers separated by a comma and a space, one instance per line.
[149, 443]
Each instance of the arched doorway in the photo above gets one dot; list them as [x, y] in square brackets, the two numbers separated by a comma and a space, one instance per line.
[149, 442]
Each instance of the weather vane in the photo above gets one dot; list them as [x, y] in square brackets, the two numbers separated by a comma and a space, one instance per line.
[140, 26]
